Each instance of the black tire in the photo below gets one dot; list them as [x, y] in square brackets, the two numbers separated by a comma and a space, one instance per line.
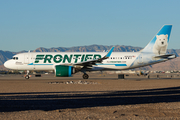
[85, 76]
[27, 76]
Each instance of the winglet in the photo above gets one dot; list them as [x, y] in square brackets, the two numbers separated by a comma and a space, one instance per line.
[110, 51]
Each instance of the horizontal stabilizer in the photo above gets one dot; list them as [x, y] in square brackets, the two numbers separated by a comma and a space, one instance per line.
[168, 56]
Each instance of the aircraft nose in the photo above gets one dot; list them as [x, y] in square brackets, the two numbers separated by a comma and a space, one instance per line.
[8, 64]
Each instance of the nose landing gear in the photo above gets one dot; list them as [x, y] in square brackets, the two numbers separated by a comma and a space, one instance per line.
[27, 76]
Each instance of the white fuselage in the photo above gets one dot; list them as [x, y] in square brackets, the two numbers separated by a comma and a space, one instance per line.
[47, 60]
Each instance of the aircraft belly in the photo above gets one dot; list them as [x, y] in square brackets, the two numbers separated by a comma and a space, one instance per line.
[43, 67]
[111, 67]
[24, 67]
[34, 67]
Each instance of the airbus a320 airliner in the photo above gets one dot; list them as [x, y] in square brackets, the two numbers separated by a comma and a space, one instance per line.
[67, 63]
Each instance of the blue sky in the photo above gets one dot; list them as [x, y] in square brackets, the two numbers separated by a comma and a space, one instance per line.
[27, 25]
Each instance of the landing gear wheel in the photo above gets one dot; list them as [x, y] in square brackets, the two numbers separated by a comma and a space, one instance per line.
[27, 76]
[85, 76]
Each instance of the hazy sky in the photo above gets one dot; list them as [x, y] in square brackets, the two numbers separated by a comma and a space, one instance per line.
[29, 24]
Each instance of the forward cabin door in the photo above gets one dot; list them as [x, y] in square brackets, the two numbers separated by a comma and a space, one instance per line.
[28, 58]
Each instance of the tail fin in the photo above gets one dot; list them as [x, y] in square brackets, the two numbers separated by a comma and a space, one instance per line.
[158, 45]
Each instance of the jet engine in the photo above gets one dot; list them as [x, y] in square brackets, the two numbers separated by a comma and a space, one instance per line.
[64, 71]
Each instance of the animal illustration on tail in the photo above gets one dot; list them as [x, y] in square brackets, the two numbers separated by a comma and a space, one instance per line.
[161, 44]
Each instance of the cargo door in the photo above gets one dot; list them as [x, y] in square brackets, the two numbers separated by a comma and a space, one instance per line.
[140, 59]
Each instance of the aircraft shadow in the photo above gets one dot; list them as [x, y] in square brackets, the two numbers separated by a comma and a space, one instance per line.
[46, 101]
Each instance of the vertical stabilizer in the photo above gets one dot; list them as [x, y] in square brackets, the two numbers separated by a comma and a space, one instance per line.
[158, 45]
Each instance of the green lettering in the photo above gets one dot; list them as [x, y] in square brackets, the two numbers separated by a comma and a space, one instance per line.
[57, 58]
[38, 57]
[88, 57]
[76, 59]
[48, 58]
[96, 56]
[67, 58]
[82, 59]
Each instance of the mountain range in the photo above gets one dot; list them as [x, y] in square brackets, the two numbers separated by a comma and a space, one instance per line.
[168, 65]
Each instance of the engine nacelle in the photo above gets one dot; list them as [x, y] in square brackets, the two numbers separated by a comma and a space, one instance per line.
[64, 71]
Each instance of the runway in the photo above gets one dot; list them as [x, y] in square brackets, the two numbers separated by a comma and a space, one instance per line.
[102, 96]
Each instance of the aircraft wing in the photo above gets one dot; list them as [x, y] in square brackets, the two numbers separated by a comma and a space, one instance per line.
[89, 63]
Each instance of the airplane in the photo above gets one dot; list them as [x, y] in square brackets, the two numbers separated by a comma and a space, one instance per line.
[67, 63]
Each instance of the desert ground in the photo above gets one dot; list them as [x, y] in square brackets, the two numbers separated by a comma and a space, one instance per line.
[101, 97]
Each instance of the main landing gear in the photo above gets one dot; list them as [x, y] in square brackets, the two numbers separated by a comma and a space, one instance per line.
[85, 76]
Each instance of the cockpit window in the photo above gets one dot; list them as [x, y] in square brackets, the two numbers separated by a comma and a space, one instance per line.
[15, 58]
